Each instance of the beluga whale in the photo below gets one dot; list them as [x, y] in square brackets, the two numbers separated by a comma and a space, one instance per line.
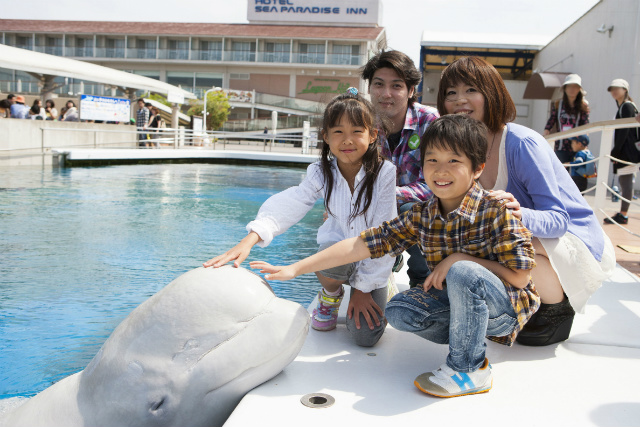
[185, 357]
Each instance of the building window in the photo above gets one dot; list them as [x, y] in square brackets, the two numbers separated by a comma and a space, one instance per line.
[243, 51]
[181, 79]
[209, 51]
[84, 47]
[24, 42]
[178, 49]
[311, 53]
[53, 46]
[346, 55]
[145, 49]
[277, 52]
[114, 48]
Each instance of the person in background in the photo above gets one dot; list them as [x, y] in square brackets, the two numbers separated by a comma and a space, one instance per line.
[573, 254]
[18, 109]
[142, 119]
[36, 112]
[50, 110]
[393, 79]
[71, 112]
[154, 125]
[5, 109]
[567, 113]
[624, 148]
[581, 173]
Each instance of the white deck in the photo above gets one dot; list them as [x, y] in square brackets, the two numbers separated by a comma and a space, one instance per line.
[589, 380]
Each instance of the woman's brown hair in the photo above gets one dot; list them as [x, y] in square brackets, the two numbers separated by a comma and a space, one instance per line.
[474, 71]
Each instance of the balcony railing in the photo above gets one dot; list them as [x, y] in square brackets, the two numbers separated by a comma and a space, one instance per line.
[206, 55]
[110, 52]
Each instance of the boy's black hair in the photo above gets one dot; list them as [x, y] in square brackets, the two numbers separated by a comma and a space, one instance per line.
[360, 112]
[460, 134]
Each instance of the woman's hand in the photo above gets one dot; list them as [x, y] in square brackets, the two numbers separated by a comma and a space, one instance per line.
[512, 203]
[276, 272]
[361, 302]
[238, 253]
[545, 132]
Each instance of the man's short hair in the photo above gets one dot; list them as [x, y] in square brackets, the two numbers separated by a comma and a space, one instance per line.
[10, 96]
[400, 63]
[140, 100]
[460, 134]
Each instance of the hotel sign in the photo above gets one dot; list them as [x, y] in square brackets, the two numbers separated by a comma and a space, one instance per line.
[337, 12]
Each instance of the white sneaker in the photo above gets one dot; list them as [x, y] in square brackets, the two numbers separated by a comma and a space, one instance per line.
[445, 382]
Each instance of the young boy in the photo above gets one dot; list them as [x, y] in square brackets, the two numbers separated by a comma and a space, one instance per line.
[479, 254]
[580, 174]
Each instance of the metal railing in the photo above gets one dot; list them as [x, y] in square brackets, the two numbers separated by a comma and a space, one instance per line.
[607, 129]
[182, 54]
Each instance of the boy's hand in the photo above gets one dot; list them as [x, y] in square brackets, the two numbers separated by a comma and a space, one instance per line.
[239, 253]
[276, 272]
[512, 203]
[437, 276]
[361, 302]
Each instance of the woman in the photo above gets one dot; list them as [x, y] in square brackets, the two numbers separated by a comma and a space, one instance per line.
[36, 111]
[70, 113]
[573, 255]
[624, 147]
[50, 109]
[569, 112]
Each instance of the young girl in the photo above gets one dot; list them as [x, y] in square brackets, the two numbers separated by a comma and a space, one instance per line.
[358, 188]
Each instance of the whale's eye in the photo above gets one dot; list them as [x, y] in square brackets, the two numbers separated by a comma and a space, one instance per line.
[157, 405]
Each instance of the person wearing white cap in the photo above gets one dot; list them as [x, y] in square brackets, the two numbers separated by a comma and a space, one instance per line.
[624, 147]
[567, 113]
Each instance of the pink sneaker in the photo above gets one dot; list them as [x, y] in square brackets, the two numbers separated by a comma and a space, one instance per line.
[325, 315]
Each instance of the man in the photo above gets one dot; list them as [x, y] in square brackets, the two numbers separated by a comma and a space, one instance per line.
[18, 109]
[142, 120]
[393, 79]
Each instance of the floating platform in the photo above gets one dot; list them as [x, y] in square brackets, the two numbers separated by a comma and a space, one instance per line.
[123, 156]
[589, 380]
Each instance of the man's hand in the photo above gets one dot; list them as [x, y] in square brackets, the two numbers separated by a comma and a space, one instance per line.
[361, 302]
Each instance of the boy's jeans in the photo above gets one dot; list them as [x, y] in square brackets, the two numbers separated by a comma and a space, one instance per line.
[473, 304]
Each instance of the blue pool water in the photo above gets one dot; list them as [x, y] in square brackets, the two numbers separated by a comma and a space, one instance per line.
[81, 248]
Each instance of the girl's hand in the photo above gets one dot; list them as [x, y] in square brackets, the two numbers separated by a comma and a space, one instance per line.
[276, 272]
[512, 203]
[439, 274]
[361, 302]
[238, 253]
[545, 132]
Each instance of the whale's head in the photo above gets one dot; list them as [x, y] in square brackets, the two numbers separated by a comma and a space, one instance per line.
[187, 355]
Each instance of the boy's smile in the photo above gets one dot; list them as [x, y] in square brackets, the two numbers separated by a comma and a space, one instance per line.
[449, 175]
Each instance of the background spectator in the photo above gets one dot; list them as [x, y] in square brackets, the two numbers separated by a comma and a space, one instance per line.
[18, 109]
[567, 113]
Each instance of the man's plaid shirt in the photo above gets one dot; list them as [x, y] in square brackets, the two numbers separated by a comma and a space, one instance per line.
[406, 156]
[482, 227]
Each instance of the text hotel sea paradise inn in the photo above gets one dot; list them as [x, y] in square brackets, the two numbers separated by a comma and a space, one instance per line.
[293, 10]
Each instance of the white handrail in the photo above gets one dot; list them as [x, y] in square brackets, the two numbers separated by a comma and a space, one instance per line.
[604, 159]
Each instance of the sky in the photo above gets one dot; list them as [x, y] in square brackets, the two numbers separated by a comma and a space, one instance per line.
[404, 20]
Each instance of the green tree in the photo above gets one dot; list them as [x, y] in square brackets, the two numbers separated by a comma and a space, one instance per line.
[217, 108]
[161, 99]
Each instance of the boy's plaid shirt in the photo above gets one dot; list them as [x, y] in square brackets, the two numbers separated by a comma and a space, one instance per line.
[481, 227]
[410, 185]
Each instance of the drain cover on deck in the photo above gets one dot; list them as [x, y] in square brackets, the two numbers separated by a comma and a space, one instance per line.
[317, 400]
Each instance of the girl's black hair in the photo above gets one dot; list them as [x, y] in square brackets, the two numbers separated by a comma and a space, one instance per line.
[360, 112]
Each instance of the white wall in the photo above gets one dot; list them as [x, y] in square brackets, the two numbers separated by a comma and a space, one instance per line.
[596, 57]
[29, 142]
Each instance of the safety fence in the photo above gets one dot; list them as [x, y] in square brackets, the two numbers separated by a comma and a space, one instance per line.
[603, 160]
